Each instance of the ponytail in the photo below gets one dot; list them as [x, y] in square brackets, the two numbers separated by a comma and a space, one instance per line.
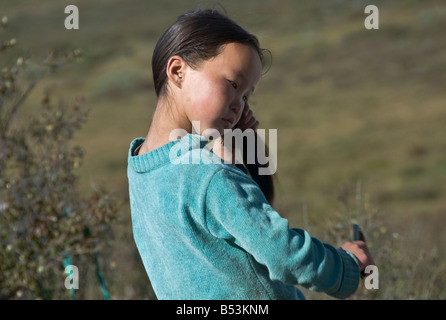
[265, 182]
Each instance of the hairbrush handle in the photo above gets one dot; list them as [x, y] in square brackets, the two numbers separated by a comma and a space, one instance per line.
[358, 235]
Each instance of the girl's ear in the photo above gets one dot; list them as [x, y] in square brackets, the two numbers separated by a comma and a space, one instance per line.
[175, 70]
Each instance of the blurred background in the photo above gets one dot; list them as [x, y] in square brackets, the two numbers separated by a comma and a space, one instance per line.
[360, 116]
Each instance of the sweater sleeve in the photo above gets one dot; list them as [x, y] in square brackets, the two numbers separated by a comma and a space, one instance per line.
[237, 211]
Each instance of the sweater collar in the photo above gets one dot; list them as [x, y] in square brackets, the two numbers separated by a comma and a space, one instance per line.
[160, 156]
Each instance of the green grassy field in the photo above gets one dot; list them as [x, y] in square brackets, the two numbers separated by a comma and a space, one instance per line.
[355, 109]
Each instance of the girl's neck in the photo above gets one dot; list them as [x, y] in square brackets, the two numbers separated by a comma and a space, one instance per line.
[164, 121]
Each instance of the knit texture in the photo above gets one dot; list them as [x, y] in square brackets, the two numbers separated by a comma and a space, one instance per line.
[204, 230]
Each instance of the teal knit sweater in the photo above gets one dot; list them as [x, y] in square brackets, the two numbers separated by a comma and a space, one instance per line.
[204, 230]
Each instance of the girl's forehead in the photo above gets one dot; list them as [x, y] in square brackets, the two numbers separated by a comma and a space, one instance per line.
[238, 50]
[241, 57]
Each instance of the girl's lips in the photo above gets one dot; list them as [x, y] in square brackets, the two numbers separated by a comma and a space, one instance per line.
[229, 122]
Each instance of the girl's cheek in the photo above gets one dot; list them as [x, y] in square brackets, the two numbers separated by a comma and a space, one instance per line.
[213, 97]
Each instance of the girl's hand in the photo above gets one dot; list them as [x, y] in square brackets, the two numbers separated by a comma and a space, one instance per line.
[361, 252]
[247, 120]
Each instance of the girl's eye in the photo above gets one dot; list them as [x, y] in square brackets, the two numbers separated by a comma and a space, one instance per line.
[233, 84]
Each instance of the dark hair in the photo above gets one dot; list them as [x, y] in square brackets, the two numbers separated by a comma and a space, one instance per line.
[197, 36]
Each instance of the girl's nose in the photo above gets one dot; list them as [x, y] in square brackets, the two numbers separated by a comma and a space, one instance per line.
[237, 106]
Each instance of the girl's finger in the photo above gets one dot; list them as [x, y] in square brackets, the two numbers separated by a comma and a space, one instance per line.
[256, 125]
[251, 123]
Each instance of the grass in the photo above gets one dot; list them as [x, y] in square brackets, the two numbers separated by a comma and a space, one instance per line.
[350, 105]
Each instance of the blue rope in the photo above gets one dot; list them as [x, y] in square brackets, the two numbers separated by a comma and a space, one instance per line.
[100, 276]
[67, 262]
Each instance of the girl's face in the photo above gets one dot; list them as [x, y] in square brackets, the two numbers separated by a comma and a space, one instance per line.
[216, 92]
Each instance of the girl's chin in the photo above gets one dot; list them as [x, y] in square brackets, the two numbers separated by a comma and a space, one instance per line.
[213, 133]
[227, 124]
[217, 130]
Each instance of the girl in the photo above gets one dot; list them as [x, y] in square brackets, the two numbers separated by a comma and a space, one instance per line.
[204, 228]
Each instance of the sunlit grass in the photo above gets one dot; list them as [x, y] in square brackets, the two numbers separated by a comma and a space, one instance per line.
[349, 104]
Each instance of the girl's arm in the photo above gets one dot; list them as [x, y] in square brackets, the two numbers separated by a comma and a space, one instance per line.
[238, 212]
